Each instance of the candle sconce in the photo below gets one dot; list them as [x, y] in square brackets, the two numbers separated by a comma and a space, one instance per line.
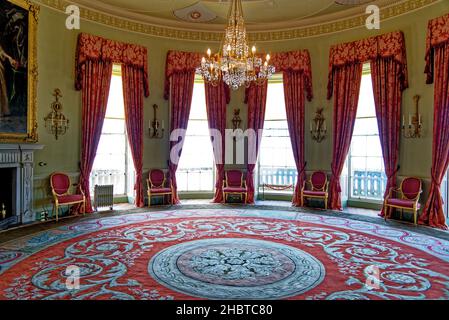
[236, 121]
[3, 211]
[318, 128]
[55, 122]
[155, 129]
[414, 128]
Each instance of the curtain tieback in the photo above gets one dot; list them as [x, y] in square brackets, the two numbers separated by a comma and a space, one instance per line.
[303, 168]
[394, 172]
[435, 181]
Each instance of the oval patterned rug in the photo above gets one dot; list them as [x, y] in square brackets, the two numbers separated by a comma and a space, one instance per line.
[225, 254]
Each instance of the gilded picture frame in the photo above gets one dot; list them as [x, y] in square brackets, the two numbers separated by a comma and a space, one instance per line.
[18, 71]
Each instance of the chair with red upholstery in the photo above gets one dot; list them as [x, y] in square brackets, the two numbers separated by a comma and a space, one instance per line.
[406, 197]
[158, 185]
[234, 184]
[318, 188]
[60, 186]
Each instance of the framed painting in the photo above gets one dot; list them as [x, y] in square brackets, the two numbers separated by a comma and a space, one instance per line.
[18, 71]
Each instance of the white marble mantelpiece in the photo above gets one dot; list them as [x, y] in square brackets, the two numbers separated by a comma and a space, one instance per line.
[21, 157]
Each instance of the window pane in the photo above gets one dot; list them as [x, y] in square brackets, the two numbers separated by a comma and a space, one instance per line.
[366, 126]
[366, 107]
[358, 146]
[275, 102]
[116, 105]
[114, 126]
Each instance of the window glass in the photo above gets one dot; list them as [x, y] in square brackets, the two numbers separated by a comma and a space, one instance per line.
[276, 162]
[112, 163]
[196, 166]
[365, 162]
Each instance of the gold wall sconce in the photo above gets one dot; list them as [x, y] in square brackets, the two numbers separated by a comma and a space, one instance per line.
[236, 123]
[414, 128]
[236, 120]
[3, 211]
[55, 122]
[155, 129]
[318, 128]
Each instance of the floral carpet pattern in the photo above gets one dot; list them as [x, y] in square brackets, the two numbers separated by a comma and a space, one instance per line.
[225, 254]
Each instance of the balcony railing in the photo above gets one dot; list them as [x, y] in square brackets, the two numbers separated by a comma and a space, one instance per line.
[277, 176]
[195, 179]
[107, 177]
[368, 184]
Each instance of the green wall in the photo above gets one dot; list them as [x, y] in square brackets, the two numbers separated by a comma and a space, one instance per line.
[56, 58]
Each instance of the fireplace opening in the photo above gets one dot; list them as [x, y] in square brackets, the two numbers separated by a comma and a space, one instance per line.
[7, 193]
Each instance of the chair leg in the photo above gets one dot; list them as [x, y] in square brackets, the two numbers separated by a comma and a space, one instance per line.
[57, 213]
[84, 207]
[149, 200]
[415, 217]
[401, 214]
[325, 203]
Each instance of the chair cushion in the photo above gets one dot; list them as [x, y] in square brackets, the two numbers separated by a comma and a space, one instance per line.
[314, 193]
[411, 187]
[70, 198]
[160, 190]
[402, 203]
[318, 179]
[234, 190]
[157, 177]
[60, 183]
[234, 178]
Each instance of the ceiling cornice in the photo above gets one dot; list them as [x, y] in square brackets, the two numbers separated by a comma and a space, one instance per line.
[311, 27]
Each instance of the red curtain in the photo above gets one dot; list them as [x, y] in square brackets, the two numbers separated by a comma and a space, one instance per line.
[133, 93]
[256, 98]
[217, 98]
[181, 91]
[346, 87]
[433, 214]
[93, 70]
[387, 88]
[294, 103]
[95, 82]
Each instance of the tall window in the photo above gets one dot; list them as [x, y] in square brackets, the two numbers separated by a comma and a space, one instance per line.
[367, 178]
[113, 163]
[276, 162]
[196, 166]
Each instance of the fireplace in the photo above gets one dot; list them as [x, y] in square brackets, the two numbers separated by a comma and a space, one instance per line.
[16, 184]
[8, 197]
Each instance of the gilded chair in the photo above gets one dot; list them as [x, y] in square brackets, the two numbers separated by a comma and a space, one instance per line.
[234, 184]
[60, 186]
[158, 185]
[317, 188]
[406, 197]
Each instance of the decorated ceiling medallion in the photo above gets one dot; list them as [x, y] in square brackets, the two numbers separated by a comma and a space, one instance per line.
[195, 13]
[352, 2]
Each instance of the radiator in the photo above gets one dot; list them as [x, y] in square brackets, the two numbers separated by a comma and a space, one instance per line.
[104, 197]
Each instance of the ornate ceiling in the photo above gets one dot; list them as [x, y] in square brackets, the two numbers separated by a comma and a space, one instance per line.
[267, 20]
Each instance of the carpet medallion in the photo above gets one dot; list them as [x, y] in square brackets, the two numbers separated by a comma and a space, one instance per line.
[226, 254]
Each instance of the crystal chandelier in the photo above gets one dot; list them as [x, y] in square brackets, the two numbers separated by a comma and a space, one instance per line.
[234, 63]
